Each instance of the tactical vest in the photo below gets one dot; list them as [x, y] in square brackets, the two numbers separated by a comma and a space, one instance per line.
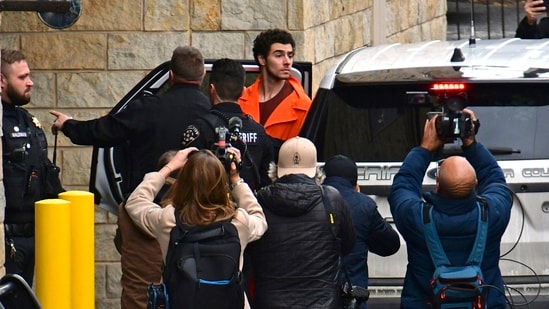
[25, 152]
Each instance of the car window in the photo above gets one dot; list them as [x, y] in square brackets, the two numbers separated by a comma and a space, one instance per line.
[251, 75]
[301, 71]
[369, 132]
[372, 106]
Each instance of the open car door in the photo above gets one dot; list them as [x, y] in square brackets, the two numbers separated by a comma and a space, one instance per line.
[109, 168]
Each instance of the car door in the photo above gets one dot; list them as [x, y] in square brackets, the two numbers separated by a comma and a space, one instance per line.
[109, 168]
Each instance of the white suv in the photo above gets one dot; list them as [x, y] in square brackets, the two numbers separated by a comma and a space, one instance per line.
[372, 107]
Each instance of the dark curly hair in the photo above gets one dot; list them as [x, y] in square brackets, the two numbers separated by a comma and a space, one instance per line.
[263, 42]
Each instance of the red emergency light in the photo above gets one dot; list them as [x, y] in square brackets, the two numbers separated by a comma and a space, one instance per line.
[448, 87]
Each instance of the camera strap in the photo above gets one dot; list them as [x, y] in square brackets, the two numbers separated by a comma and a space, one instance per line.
[358, 294]
[329, 211]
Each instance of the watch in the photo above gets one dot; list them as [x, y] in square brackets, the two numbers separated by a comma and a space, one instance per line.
[233, 185]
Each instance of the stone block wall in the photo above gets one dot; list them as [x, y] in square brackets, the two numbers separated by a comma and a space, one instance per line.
[85, 69]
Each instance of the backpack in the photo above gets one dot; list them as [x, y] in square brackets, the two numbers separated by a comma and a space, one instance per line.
[457, 286]
[202, 267]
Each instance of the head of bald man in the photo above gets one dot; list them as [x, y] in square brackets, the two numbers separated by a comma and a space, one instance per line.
[456, 178]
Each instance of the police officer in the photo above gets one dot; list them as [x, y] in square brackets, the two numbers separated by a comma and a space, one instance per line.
[25, 152]
[226, 85]
[149, 126]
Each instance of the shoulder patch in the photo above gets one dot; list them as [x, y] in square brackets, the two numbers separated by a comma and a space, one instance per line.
[189, 135]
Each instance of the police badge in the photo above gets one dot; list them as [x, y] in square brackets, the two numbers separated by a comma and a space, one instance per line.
[36, 122]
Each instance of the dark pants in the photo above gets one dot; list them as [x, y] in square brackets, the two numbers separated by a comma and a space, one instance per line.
[20, 262]
[141, 262]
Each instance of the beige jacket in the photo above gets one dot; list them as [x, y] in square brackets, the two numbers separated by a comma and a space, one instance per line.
[158, 222]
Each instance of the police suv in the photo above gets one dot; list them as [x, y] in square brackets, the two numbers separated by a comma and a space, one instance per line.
[372, 106]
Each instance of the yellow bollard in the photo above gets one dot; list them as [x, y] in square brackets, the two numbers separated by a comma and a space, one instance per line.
[53, 253]
[82, 248]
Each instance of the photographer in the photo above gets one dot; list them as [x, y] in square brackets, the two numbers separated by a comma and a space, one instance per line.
[373, 233]
[458, 183]
[199, 197]
[226, 84]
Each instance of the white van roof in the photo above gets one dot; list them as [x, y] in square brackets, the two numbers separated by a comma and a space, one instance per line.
[486, 60]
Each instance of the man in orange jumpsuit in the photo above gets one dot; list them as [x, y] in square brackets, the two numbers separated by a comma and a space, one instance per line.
[276, 99]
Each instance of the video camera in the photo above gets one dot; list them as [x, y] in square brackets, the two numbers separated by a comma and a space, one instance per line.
[226, 138]
[453, 122]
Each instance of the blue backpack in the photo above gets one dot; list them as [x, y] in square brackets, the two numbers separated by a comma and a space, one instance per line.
[457, 286]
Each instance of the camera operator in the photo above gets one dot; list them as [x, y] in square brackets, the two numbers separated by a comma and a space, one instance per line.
[199, 198]
[458, 183]
[226, 125]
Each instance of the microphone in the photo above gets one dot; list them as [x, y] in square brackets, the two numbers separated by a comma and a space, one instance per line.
[235, 124]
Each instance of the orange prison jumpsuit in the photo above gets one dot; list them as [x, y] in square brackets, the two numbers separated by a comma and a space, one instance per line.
[287, 119]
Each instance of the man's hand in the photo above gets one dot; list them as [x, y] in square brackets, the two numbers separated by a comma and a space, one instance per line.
[234, 174]
[467, 141]
[58, 122]
[431, 141]
[533, 9]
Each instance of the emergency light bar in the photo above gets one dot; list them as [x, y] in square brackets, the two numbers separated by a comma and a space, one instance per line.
[448, 86]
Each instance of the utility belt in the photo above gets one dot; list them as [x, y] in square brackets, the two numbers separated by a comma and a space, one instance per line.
[19, 229]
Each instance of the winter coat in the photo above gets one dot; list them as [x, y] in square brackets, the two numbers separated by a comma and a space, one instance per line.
[538, 31]
[150, 126]
[158, 222]
[287, 119]
[455, 220]
[296, 263]
[373, 233]
[255, 146]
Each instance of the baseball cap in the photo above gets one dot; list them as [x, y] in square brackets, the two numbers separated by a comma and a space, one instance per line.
[297, 156]
[341, 166]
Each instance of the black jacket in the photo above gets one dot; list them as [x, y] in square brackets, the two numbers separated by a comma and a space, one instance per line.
[296, 262]
[25, 154]
[149, 126]
[258, 145]
[538, 31]
[373, 233]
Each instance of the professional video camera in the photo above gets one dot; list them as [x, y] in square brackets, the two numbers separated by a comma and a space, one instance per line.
[453, 122]
[228, 138]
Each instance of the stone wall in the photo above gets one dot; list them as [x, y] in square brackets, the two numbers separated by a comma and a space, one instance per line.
[85, 69]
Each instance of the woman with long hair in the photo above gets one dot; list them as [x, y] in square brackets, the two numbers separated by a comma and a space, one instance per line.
[202, 194]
